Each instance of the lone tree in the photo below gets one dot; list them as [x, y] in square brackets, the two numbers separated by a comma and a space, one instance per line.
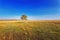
[23, 17]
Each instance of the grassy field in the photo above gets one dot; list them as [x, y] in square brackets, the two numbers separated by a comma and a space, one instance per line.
[30, 30]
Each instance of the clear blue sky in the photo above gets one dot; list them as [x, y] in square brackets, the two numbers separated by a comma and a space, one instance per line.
[34, 9]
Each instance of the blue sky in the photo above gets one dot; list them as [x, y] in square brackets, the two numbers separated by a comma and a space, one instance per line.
[34, 9]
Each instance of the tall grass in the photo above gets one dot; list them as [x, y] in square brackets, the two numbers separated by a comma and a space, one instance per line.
[30, 31]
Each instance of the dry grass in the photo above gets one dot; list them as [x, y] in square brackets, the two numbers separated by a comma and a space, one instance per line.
[30, 30]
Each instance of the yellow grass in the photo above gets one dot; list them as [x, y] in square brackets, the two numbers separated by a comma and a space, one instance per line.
[30, 30]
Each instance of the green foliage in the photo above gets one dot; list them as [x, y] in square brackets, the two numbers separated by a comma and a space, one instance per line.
[24, 17]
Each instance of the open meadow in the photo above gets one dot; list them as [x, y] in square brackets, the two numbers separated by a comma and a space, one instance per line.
[30, 30]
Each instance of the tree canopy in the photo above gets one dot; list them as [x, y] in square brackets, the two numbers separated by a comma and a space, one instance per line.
[23, 17]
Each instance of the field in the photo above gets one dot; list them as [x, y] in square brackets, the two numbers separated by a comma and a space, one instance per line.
[30, 30]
